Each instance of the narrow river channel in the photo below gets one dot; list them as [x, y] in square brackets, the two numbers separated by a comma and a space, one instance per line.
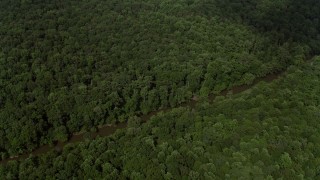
[107, 130]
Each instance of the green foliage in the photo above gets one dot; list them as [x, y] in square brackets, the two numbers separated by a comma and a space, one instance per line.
[71, 66]
[269, 132]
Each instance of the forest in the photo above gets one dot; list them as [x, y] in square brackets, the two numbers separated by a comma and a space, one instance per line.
[73, 66]
[268, 132]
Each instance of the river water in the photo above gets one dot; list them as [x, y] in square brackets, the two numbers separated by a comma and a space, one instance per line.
[110, 129]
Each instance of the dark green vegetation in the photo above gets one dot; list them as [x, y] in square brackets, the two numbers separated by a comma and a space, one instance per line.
[270, 131]
[70, 66]
[286, 20]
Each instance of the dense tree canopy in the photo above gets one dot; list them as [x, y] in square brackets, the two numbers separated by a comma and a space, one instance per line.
[270, 131]
[71, 66]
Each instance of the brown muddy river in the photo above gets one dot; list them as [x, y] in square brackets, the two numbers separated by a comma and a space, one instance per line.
[108, 130]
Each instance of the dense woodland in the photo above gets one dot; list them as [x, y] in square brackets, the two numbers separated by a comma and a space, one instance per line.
[71, 66]
[268, 132]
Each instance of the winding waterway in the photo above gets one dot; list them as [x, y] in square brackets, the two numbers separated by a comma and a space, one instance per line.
[107, 130]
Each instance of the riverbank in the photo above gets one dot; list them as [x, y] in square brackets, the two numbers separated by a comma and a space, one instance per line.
[108, 130]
